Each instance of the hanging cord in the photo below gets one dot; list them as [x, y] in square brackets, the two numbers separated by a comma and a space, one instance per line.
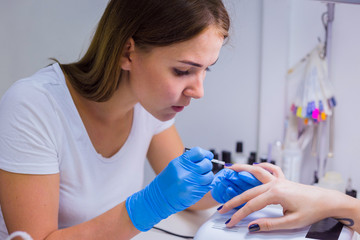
[324, 19]
[327, 18]
[174, 234]
[24, 235]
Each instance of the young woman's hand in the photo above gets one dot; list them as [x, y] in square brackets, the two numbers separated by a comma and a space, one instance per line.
[181, 184]
[302, 204]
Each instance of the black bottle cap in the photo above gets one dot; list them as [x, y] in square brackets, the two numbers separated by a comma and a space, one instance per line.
[226, 156]
[251, 160]
[263, 159]
[239, 147]
[352, 193]
[316, 178]
[273, 162]
[215, 168]
[349, 191]
[212, 150]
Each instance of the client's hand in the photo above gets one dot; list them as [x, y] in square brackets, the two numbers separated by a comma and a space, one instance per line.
[302, 204]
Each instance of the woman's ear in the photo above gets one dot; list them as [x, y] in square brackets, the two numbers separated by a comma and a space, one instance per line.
[129, 48]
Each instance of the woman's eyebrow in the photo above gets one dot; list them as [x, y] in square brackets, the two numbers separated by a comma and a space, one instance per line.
[195, 64]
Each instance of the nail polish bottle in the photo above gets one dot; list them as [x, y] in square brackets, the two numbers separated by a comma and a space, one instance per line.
[292, 158]
[239, 156]
[263, 159]
[226, 156]
[252, 158]
[216, 167]
[349, 190]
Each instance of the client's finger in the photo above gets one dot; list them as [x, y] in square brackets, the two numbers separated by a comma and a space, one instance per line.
[255, 204]
[243, 198]
[273, 169]
[289, 221]
[260, 173]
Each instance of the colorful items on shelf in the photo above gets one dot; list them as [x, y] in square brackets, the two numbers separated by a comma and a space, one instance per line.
[314, 97]
[313, 112]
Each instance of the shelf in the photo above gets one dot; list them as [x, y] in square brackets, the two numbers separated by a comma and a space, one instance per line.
[342, 1]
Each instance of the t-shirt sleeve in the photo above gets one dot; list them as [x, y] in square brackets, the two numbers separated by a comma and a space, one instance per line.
[27, 121]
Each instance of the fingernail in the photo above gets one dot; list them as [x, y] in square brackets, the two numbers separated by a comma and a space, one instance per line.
[220, 207]
[228, 164]
[228, 221]
[254, 227]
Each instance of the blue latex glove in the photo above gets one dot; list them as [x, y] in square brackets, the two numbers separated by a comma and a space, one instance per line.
[181, 184]
[229, 183]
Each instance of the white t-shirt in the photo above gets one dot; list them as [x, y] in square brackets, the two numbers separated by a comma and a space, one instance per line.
[42, 133]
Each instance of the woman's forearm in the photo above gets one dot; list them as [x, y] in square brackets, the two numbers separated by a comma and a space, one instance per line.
[113, 224]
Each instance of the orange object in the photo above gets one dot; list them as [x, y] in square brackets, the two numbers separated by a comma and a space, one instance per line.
[323, 116]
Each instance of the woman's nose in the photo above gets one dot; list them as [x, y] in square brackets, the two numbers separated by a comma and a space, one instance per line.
[196, 88]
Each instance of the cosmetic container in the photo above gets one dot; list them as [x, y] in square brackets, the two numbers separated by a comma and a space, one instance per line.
[226, 156]
[216, 167]
[291, 162]
[239, 156]
[252, 158]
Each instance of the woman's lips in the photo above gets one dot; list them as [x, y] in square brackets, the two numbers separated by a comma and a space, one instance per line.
[177, 108]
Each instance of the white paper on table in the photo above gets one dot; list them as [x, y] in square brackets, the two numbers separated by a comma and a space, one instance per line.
[215, 229]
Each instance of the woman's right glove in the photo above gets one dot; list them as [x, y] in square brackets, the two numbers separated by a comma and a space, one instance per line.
[181, 184]
[229, 183]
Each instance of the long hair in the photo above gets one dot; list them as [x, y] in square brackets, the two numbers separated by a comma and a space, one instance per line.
[150, 23]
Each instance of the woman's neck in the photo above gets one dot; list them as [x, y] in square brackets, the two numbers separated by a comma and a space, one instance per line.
[118, 107]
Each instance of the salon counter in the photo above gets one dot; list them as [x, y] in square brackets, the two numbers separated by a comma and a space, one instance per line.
[185, 223]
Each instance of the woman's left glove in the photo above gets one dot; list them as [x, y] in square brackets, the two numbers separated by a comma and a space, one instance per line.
[229, 183]
[181, 184]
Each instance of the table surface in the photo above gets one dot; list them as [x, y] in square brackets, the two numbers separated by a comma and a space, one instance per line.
[184, 223]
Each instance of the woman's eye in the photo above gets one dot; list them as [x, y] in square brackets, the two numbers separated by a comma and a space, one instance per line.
[181, 73]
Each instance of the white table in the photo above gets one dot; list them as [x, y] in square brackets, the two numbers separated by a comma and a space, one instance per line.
[215, 229]
[184, 223]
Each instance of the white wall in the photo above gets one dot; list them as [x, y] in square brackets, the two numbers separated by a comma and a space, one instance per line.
[33, 31]
[274, 51]
[346, 77]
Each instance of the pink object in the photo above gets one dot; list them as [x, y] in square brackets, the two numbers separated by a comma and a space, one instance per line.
[315, 113]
